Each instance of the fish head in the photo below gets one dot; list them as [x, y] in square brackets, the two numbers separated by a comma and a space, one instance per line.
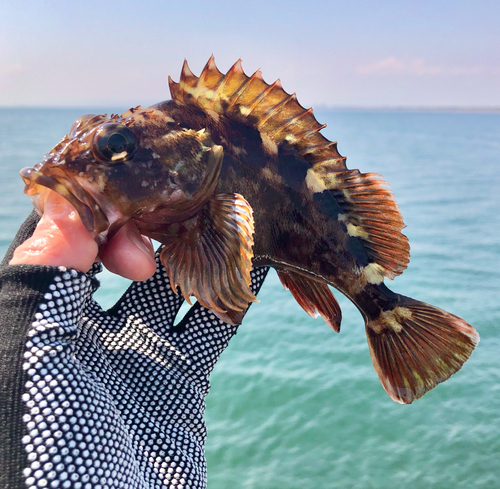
[139, 164]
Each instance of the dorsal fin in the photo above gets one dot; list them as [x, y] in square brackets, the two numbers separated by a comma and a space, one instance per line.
[250, 100]
[370, 213]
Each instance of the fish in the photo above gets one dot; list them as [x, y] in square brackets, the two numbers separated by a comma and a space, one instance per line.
[233, 173]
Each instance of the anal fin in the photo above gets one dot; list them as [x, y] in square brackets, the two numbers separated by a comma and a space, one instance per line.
[210, 256]
[313, 296]
[415, 346]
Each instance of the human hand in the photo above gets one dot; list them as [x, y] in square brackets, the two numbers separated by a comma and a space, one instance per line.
[60, 239]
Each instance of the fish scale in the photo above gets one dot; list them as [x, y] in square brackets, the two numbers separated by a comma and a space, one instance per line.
[233, 173]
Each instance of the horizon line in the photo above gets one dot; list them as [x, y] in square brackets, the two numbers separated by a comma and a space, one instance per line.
[348, 108]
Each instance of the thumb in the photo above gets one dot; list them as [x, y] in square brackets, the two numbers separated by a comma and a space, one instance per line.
[60, 238]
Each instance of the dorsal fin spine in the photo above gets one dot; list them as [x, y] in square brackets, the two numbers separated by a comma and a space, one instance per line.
[233, 71]
[218, 89]
[211, 63]
[300, 139]
[273, 110]
[318, 147]
[236, 68]
[186, 71]
[175, 90]
[328, 167]
[263, 95]
[244, 87]
[204, 75]
[292, 120]
[188, 81]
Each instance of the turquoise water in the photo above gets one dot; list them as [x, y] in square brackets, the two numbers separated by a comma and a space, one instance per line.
[294, 405]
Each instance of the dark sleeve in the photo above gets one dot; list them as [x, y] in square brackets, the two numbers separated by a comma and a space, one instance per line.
[22, 288]
[25, 232]
[20, 293]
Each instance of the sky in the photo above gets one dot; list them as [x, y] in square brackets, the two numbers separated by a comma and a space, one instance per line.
[356, 53]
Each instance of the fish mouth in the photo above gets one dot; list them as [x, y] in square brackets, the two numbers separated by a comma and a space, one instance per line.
[91, 214]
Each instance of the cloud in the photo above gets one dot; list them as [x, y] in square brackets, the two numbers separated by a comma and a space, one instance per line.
[391, 66]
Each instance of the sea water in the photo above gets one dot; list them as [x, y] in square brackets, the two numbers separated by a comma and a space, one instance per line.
[292, 403]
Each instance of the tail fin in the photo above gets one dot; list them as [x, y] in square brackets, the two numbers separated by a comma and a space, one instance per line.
[416, 346]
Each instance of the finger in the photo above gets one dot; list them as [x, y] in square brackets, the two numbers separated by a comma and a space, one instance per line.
[129, 254]
[60, 238]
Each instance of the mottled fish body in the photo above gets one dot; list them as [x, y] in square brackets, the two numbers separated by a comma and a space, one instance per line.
[233, 172]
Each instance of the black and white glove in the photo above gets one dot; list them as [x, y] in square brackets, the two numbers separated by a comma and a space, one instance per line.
[100, 399]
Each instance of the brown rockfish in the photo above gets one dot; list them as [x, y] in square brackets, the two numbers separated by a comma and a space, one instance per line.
[233, 173]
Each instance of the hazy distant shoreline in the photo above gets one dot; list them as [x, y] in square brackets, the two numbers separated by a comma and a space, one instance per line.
[476, 110]
[335, 108]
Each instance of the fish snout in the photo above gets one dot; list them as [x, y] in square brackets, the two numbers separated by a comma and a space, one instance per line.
[37, 185]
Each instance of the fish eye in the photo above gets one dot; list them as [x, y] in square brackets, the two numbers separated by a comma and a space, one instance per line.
[113, 143]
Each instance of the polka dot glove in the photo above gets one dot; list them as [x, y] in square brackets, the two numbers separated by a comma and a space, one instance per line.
[114, 398]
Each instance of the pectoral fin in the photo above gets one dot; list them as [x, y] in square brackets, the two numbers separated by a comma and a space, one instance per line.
[231, 317]
[210, 255]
